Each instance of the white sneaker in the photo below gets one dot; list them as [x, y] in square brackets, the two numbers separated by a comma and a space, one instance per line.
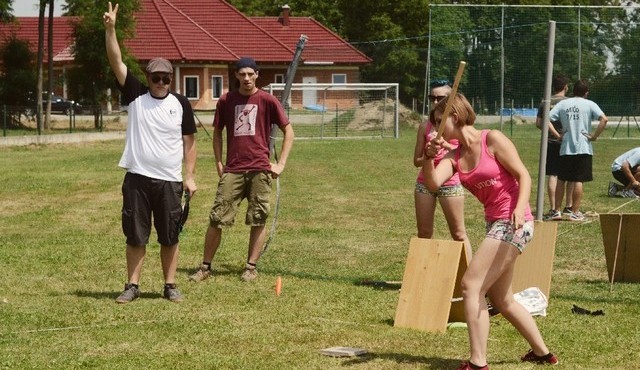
[628, 193]
[576, 216]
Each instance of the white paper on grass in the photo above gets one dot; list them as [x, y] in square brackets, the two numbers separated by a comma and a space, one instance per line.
[533, 300]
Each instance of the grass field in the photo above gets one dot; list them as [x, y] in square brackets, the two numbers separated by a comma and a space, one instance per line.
[346, 215]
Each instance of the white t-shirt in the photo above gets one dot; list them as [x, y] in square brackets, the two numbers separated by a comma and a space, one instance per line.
[632, 156]
[153, 145]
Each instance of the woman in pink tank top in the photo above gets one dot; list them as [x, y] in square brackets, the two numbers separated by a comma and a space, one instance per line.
[489, 167]
[450, 195]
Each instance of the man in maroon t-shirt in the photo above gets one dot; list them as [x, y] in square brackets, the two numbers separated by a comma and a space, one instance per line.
[247, 115]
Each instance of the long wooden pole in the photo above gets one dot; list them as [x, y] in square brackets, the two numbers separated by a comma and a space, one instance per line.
[454, 91]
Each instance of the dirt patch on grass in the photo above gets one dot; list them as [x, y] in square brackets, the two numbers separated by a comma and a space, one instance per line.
[370, 116]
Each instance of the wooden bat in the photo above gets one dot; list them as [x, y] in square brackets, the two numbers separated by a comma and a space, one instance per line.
[454, 91]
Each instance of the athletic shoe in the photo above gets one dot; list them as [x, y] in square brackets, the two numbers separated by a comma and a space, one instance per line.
[250, 273]
[467, 366]
[627, 193]
[172, 293]
[549, 358]
[613, 189]
[553, 215]
[203, 273]
[492, 310]
[576, 216]
[567, 211]
[129, 294]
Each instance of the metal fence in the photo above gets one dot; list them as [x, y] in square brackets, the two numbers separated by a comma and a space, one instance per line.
[505, 50]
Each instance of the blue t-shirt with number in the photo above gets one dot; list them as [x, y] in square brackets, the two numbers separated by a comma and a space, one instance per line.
[576, 115]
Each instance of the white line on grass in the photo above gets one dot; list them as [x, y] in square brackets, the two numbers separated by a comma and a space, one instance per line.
[341, 321]
[78, 327]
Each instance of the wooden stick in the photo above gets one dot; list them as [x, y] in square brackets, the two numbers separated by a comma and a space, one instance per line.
[615, 258]
[454, 91]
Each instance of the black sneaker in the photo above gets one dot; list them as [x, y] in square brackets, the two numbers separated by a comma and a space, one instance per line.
[172, 293]
[130, 293]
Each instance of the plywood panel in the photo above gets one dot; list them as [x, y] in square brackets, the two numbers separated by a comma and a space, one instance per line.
[430, 276]
[534, 267]
[627, 264]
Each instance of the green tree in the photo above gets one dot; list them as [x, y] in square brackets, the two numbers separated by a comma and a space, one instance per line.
[6, 11]
[92, 76]
[18, 71]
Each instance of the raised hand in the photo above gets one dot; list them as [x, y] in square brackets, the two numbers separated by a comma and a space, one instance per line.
[109, 17]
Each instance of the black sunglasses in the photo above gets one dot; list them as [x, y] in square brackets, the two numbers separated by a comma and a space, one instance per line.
[157, 78]
[433, 98]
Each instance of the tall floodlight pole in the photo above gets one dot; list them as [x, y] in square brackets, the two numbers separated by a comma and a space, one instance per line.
[545, 120]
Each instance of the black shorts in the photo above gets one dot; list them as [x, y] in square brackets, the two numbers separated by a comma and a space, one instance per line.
[576, 168]
[620, 176]
[552, 166]
[143, 196]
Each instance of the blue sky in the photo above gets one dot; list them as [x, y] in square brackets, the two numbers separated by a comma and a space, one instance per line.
[29, 8]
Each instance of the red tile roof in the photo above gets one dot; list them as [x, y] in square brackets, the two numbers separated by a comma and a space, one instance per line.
[26, 28]
[322, 45]
[209, 31]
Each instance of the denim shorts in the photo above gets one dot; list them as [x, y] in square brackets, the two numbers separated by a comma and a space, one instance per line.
[255, 186]
[444, 191]
[503, 230]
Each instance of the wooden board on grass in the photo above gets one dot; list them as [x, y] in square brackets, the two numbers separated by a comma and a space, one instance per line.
[627, 261]
[432, 272]
[343, 351]
[534, 267]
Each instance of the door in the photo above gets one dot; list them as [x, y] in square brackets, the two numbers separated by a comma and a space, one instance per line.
[309, 97]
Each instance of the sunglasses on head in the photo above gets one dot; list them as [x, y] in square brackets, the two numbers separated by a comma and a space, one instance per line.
[157, 78]
[434, 98]
[438, 83]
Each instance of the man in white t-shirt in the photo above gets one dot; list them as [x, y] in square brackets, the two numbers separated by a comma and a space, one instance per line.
[626, 169]
[160, 135]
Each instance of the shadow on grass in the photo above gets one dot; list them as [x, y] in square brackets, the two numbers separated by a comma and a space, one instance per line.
[112, 295]
[402, 358]
[381, 285]
[367, 282]
[233, 269]
[600, 290]
[218, 270]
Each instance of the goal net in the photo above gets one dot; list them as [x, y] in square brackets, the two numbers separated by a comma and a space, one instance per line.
[341, 110]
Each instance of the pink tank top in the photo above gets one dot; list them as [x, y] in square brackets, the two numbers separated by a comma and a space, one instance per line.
[429, 134]
[493, 185]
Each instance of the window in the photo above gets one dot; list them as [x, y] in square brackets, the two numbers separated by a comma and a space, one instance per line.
[279, 78]
[339, 78]
[216, 87]
[191, 87]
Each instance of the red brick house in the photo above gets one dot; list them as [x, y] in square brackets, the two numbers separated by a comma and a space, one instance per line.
[204, 38]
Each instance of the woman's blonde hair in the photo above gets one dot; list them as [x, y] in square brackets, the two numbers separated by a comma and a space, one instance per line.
[460, 107]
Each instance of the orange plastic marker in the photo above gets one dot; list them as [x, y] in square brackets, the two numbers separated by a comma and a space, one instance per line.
[278, 285]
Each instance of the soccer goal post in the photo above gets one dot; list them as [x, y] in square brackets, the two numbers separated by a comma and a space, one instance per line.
[321, 110]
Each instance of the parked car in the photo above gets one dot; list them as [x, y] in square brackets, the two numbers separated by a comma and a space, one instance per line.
[60, 105]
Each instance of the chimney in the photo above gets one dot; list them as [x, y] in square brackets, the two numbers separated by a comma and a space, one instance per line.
[285, 15]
